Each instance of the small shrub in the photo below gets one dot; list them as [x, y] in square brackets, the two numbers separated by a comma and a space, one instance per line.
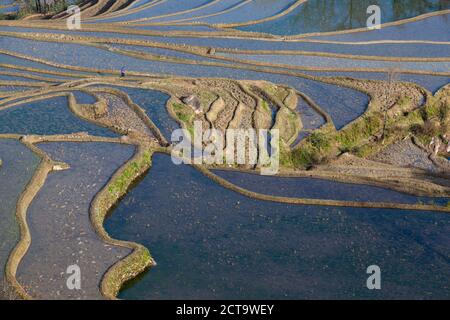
[431, 110]
[320, 141]
[305, 156]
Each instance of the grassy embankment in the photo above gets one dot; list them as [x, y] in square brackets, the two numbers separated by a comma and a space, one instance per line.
[140, 258]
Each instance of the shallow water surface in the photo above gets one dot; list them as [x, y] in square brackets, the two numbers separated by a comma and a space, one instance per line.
[46, 117]
[161, 8]
[212, 243]
[18, 166]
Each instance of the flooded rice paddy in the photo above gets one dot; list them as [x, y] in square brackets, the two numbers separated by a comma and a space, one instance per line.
[210, 242]
[60, 225]
[18, 165]
[46, 117]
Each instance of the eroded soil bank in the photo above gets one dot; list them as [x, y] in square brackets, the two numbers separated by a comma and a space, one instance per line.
[210, 242]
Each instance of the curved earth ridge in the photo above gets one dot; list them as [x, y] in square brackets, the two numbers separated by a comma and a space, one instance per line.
[140, 130]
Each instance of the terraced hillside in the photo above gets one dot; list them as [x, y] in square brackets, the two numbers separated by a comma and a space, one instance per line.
[89, 116]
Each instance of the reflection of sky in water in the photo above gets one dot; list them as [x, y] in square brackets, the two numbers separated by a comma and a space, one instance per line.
[396, 50]
[429, 82]
[431, 29]
[310, 119]
[46, 117]
[325, 15]
[212, 9]
[15, 88]
[165, 52]
[321, 189]
[84, 97]
[343, 105]
[432, 83]
[175, 28]
[9, 9]
[255, 10]
[325, 62]
[59, 223]
[4, 77]
[165, 7]
[16, 61]
[154, 104]
[210, 242]
[18, 166]
[44, 75]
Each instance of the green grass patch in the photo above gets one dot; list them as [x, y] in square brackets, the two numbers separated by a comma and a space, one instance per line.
[265, 105]
[121, 184]
[305, 156]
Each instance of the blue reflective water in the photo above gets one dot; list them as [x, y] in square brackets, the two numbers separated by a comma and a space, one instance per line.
[325, 15]
[16, 61]
[176, 28]
[46, 117]
[429, 82]
[434, 28]
[166, 53]
[306, 187]
[212, 243]
[4, 77]
[310, 119]
[17, 168]
[154, 103]
[343, 104]
[60, 225]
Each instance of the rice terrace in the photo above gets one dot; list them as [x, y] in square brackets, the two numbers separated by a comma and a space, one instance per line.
[224, 149]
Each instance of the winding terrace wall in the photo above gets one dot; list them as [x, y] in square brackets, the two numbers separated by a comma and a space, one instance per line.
[140, 259]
